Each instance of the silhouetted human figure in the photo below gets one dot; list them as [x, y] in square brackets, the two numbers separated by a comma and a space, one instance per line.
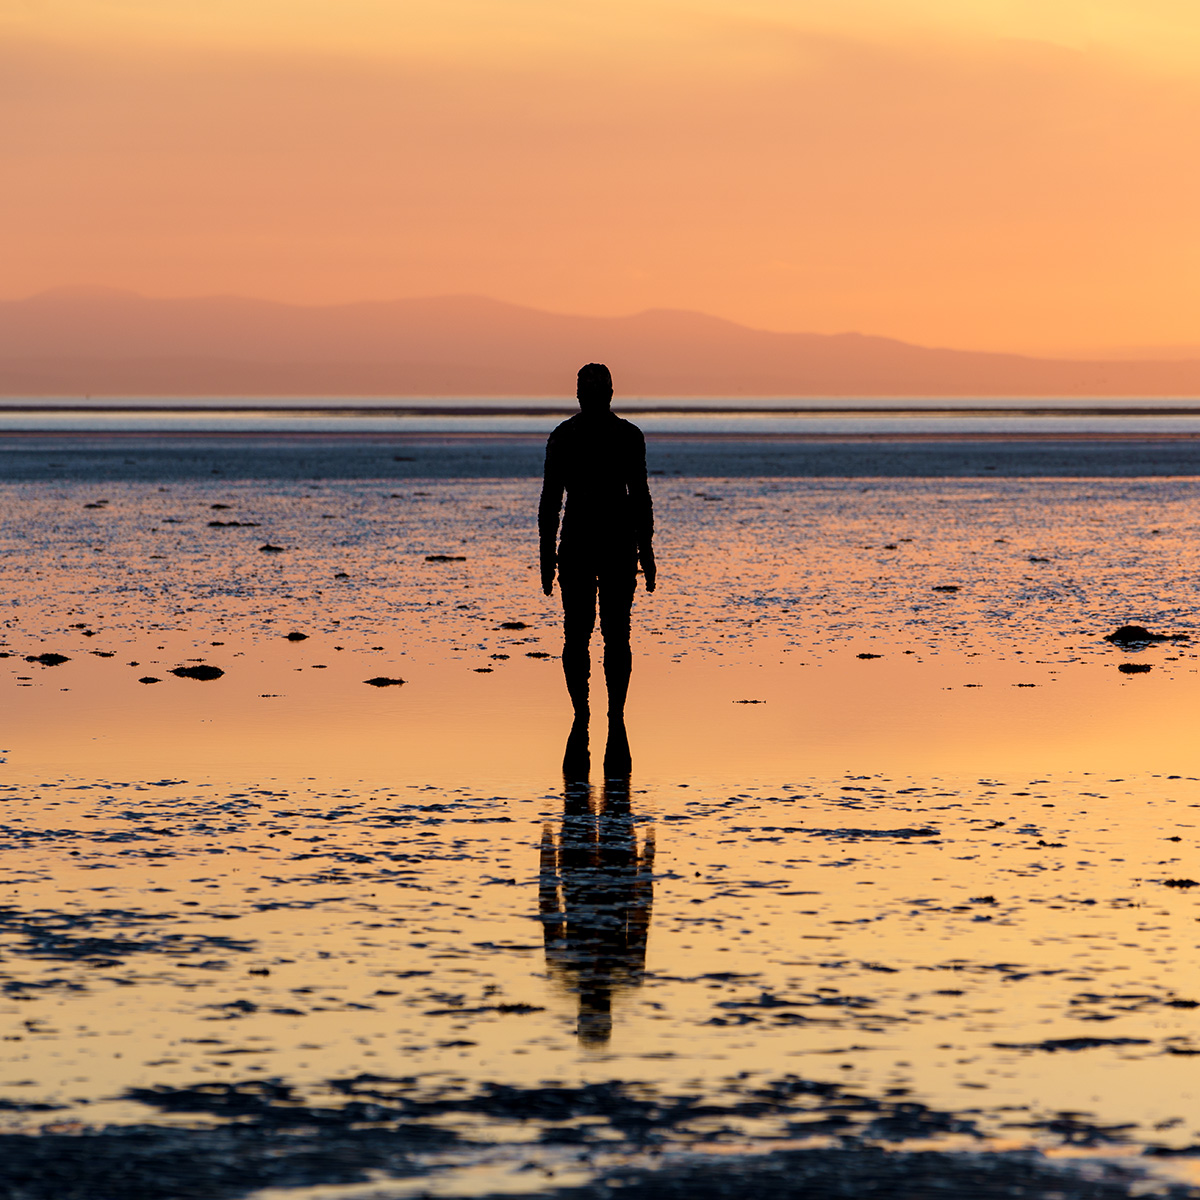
[596, 892]
[599, 461]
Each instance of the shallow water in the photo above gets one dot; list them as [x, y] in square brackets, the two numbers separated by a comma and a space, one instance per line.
[946, 891]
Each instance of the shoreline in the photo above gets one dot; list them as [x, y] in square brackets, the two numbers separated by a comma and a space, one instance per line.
[455, 436]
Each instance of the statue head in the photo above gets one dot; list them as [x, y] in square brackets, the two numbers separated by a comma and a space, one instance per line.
[594, 388]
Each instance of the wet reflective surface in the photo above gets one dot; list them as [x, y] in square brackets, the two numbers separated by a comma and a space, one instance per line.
[897, 853]
[596, 888]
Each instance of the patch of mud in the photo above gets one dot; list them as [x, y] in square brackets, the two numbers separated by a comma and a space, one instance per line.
[375, 1129]
[851, 1173]
[108, 935]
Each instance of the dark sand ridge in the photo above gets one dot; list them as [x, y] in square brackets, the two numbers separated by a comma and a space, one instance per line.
[168, 458]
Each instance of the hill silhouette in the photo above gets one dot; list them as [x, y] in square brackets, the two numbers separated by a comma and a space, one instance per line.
[103, 342]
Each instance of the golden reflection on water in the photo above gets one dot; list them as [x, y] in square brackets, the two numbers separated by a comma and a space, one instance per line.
[951, 713]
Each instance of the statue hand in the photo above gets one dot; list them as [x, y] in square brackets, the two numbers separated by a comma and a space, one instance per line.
[650, 572]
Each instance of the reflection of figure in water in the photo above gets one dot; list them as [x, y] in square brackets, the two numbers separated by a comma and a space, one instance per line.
[595, 896]
[599, 460]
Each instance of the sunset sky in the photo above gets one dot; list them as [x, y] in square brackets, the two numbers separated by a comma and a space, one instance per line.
[993, 174]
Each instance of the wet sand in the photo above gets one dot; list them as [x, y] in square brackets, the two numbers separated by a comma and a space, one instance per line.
[161, 457]
[901, 892]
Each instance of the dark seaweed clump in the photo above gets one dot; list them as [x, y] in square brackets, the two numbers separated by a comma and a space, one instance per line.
[200, 671]
[1137, 637]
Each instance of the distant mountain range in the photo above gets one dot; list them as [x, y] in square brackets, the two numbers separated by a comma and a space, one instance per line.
[99, 342]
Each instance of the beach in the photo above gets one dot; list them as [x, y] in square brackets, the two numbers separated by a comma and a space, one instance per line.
[324, 873]
[900, 887]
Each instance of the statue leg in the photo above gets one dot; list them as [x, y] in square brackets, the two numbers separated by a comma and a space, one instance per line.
[616, 602]
[578, 589]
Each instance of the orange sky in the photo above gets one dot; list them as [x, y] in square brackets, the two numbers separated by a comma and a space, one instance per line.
[1002, 174]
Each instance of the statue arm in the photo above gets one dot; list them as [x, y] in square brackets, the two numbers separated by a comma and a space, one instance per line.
[643, 514]
[549, 508]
